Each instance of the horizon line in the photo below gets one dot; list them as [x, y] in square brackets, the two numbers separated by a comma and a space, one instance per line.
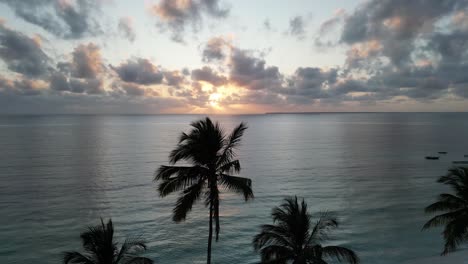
[224, 114]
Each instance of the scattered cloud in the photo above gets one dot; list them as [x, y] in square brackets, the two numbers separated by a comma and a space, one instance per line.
[139, 71]
[177, 15]
[62, 18]
[61, 83]
[251, 72]
[207, 74]
[21, 53]
[216, 49]
[126, 28]
[87, 61]
[21, 87]
[297, 26]
[267, 25]
[331, 23]
[174, 78]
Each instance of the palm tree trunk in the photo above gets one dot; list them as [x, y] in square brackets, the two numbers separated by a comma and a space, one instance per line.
[210, 235]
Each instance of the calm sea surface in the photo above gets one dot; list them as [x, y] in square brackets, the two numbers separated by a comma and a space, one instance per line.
[59, 174]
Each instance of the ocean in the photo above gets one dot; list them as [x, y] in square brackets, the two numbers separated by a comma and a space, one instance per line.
[60, 174]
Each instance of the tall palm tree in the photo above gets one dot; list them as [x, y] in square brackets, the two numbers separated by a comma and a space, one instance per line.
[294, 238]
[100, 248]
[454, 209]
[211, 155]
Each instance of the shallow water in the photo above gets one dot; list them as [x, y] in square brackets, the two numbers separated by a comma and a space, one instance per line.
[59, 174]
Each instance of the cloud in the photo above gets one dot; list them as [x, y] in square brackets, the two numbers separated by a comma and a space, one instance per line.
[331, 23]
[174, 78]
[411, 49]
[206, 74]
[61, 83]
[133, 89]
[309, 83]
[360, 55]
[139, 71]
[215, 49]
[21, 87]
[62, 18]
[21, 53]
[176, 15]
[121, 89]
[251, 72]
[87, 61]
[297, 27]
[396, 24]
[267, 26]
[126, 28]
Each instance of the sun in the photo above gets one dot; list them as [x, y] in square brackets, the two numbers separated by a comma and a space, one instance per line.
[214, 100]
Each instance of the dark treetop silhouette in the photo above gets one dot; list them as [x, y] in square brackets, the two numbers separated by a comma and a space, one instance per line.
[293, 238]
[211, 155]
[454, 207]
[100, 248]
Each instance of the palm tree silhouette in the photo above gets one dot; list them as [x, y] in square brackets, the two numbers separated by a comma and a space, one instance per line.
[294, 238]
[100, 248]
[211, 153]
[454, 207]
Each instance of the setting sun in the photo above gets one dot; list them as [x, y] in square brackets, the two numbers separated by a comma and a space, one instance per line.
[214, 100]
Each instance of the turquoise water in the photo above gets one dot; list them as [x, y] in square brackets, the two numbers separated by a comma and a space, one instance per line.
[59, 174]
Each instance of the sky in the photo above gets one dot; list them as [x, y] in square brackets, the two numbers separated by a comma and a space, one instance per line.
[232, 57]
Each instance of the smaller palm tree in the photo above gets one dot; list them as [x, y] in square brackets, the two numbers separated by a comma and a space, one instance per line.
[100, 248]
[294, 238]
[454, 208]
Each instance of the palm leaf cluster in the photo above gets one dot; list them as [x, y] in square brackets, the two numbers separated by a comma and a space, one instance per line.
[100, 248]
[211, 156]
[453, 208]
[295, 238]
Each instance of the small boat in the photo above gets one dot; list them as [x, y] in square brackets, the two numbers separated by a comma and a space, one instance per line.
[442, 152]
[460, 162]
[432, 157]
[466, 156]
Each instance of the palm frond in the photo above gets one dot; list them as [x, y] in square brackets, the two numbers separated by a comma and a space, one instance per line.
[238, 184]
[201, 145]
[186, 200]
[230, 144]
[230, 167]
[286, 212]
[233, 140]
[101, 248]
[322, 227]
[99, 239]
[342, 254]
[455, 232]
[457, 178]
[294, 217]
[72, 257]
[276, 254]
[446, 202]
[182, 177]
[272, 235]
[130, 248]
